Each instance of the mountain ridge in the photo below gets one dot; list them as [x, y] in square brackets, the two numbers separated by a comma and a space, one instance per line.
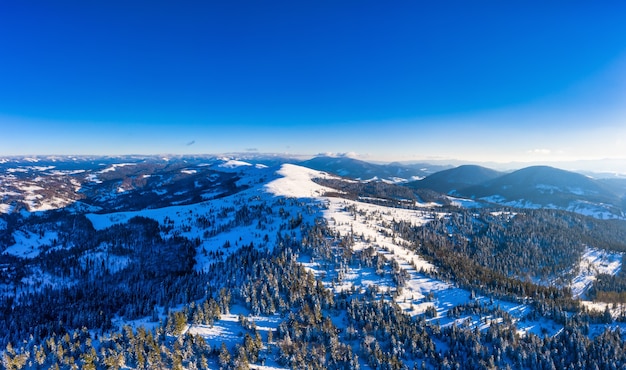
[456, 179]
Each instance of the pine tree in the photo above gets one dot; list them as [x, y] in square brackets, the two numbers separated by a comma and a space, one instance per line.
[224, 357]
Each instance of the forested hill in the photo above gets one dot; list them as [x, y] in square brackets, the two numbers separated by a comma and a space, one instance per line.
[455, 180]
[532, 187]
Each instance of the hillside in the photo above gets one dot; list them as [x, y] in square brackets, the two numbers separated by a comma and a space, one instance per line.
[542, 186]
[455, 180]
[361, 170]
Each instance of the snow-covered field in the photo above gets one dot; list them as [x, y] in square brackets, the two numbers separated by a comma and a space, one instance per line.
[365, 222]
[28, 244]
[297, 182]
[593, 262]
[229, 330]
[116, 166]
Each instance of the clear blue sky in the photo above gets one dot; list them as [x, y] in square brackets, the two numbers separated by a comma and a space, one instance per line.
[477, 80]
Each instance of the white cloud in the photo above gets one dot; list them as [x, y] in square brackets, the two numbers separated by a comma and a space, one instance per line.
[353, 155]
[540, 151]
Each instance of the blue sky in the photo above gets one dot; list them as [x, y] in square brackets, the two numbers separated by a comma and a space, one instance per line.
[404, 80]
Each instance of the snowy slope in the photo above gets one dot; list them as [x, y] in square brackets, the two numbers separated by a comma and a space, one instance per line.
[592, 263]
[367, 223]
[295, 181]
[263, 199]
[28, 244]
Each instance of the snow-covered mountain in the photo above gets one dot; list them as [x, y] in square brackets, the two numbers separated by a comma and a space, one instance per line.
[542, 186]
[532, 187]
[102, 183]
[222, 260]
[361, 170]
[455, 180]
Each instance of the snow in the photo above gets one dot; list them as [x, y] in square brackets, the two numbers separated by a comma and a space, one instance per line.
[93, 178]
[596, 210]
[521, 203]
[366, 224]
[226, 331]
[9, 193]
[66, 172]
[465, 203]
[507, 214]
[211, 194]
[577, 191]
[114, 167]
[264, 367]
[102, 221]
[297, 182]
[42, 168]
[30, 188]
[28, 244]
[229, 331]
[182, 219]
[599, 211]
[593, 262]
[232, 163]
[37, 203]
[102, 257]
[420, 290]
[397, 180]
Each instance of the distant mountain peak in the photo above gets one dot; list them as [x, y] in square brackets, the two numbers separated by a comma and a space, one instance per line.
[456, 179]
[358, 169]
[545, 186]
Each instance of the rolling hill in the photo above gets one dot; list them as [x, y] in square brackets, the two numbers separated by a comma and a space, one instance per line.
[361, 170]
[549, 187]
[456, 179]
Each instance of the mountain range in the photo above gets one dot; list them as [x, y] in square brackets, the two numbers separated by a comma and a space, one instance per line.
[362, 170]
[232, 262]
[529, 187]
[532, 187]
[23, 183]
